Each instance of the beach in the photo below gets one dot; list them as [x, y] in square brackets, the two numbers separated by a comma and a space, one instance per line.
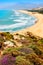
[22, 47]
[37, 28]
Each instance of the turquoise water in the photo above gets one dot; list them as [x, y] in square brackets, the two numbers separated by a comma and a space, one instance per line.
[12, 20]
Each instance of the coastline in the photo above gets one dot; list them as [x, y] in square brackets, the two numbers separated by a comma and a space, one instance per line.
[37, 28]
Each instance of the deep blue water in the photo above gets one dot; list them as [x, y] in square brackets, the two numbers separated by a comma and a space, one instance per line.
[12, 20]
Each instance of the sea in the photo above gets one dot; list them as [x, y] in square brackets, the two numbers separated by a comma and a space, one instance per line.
[13, 20]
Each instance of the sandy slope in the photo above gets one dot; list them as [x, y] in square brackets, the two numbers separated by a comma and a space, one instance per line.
[36, 29]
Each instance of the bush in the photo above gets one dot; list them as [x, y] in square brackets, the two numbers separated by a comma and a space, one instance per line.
[7, 60]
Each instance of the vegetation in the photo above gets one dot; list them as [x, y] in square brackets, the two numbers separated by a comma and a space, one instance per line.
[39, 11]
[29, 53]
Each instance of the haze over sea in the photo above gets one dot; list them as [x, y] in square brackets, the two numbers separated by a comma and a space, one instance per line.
[20, 4]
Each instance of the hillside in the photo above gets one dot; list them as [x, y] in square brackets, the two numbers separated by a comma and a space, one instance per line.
[39, 10]
[21, 50]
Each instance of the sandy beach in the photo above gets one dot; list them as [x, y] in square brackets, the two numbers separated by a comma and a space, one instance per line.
[37, 28]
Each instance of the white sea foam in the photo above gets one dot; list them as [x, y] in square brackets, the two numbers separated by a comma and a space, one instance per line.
[16, 13]
[17, 21]
[13, 25]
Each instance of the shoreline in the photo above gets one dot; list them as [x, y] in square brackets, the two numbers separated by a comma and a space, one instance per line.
[37, 28]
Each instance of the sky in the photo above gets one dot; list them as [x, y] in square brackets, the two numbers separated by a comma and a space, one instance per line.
[20, 4]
